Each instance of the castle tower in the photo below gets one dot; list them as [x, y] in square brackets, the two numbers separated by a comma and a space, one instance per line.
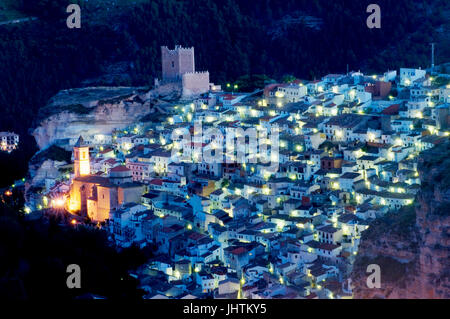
[81, 158]
[176, 62]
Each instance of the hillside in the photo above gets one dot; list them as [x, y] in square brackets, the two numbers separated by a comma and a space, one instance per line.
[411, 245]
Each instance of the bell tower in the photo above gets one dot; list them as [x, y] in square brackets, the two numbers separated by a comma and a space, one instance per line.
[81, 158]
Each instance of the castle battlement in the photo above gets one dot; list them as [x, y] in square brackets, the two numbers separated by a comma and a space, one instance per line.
[197, 73]
[178, 49]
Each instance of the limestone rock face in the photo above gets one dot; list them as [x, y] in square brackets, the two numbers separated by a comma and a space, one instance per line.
[412, 246]
[47, 169]
[89, 111]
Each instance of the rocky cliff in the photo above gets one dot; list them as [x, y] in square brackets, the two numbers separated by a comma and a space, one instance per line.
[97, 110]
[412, 246]
[89, 111]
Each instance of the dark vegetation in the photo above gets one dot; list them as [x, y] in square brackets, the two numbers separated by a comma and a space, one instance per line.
[35, 254]
[436, 161]
[54, 153]
[400, 223]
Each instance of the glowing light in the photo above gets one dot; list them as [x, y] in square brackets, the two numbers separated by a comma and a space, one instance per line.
[358, 199]
[8, 193]
[271, 269]
[279, 94]
[27, 210]
[73, 221]
[59, 202]
[45, 200]
[189, 226]
[319, 109]
[391, 155]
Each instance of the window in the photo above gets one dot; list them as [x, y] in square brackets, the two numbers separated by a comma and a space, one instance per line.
[173, 64]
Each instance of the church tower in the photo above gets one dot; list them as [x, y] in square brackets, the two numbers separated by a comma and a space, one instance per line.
[81, 158]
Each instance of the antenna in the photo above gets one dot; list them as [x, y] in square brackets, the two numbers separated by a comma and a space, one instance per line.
[432, 56]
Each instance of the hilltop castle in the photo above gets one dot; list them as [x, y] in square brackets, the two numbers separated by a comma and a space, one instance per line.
[178, 66]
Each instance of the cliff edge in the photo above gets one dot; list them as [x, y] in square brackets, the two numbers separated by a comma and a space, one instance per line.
[412, 245]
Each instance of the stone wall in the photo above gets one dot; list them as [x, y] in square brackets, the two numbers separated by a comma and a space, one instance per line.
[195, 83]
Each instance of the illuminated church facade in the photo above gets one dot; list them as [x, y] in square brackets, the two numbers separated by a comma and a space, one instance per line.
[97, 196]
